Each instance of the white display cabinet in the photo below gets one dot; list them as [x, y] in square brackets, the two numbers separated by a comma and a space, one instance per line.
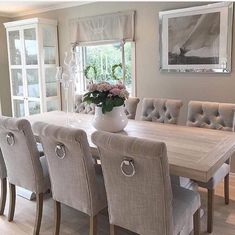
[33, 58]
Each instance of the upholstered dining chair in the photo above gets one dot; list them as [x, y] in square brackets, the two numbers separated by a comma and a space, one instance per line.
[161, 110]
[76, 180]
[217, 116]
[139, 193]
[130, 106]
[3, 178]
[25, 167]
[165, 111]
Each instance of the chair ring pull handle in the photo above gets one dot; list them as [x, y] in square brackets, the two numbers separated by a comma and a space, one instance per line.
[128, 162]
[60, 151]
[10, 139]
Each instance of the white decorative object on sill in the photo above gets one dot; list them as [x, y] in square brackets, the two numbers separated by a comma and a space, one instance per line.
[113, 121]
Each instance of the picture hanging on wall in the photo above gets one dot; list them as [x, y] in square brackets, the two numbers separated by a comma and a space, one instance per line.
[197, 39]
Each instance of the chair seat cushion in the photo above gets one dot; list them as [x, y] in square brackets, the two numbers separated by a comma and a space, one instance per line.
[47, 182]
[217, 178]
[185, 204]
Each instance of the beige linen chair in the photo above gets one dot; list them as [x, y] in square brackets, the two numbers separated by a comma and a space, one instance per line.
[217, 116]
[24, 166]
[139, 193]
[165, 111]
[3, 178]
[130, 106]
[76, 181]
[161, 110]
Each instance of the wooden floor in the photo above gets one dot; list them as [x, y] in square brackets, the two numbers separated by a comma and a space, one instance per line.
[74, 222]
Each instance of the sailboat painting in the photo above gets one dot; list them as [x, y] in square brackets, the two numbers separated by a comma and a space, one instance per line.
[197, 39]
[194, 39]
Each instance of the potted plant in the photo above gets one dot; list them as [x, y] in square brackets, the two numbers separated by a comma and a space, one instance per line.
[109, 100]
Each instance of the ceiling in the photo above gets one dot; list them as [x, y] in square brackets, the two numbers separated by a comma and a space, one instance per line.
[20, 8]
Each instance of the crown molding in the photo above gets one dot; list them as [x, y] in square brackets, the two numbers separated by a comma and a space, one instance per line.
[7, 15]
[45, 9]
[30, 21]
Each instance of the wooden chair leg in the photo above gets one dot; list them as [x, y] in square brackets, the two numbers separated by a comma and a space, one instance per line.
[11, 212]
[38, 220]
[226, 189]
[210, 209]
[93, 225]
[3, 195]
[196, 222]
[57, 209]
[112, 229]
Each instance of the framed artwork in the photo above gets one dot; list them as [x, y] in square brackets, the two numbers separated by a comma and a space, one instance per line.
[197, 39]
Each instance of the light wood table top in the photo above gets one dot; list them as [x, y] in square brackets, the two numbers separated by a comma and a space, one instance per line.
[196, 153]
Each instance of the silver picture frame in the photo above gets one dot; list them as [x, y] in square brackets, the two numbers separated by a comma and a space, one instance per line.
[196, 39]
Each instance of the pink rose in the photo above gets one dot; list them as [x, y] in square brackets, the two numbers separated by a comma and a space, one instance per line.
[104, 86]
[115, 91]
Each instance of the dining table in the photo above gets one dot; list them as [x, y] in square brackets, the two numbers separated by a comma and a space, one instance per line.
[195, 153]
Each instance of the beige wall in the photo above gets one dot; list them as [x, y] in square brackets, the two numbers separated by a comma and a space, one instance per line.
[5, 97]
[150, 81]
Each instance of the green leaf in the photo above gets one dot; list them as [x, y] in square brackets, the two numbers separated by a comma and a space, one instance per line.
[109, 108]
[85, 98]
[118, 101]
[103, 109]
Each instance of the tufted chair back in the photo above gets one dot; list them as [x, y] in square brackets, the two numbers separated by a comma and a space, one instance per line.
[71, 167]
[211, 115]
[3, 170]
[161, 110]
[129, 205]
[130, 106]
[20, 154]
[83, 107]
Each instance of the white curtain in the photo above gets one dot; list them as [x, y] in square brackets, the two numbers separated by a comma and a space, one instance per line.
[103, 28]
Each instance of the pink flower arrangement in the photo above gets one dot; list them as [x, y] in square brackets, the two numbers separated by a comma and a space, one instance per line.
[118, 89]
[106, 95]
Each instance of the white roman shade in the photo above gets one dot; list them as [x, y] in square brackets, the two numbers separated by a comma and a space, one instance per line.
[103, 28]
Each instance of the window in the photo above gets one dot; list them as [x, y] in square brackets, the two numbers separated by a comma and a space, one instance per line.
[103, 58]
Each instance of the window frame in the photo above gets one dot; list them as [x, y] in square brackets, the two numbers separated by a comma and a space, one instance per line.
[81, 50]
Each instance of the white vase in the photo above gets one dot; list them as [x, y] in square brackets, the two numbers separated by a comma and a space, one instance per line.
[113, 121]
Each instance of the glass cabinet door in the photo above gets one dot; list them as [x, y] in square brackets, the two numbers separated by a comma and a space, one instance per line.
[33, 90]
[32, 83]
[19, 107]
[30, 46]
[34, 107]
[49, 45]
[51, 83]
[15, 47]
[17, 82]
